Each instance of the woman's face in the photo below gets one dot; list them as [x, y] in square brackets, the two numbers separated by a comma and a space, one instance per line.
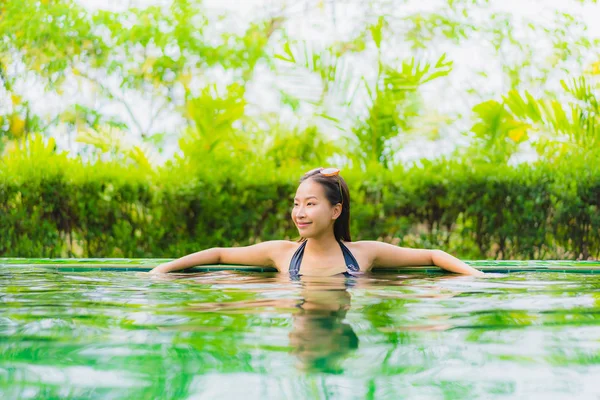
[312, 212]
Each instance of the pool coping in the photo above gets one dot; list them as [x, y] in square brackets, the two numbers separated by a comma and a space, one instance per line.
[145, 265]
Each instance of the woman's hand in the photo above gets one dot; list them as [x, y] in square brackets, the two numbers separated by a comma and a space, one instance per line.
[160, 269]
[453, 264]
[210, 256]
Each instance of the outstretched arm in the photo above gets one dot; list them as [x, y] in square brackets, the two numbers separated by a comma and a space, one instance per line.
[453, 264]
[390, 256]
[259, 254]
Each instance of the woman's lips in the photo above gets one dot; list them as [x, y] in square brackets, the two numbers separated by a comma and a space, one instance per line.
[301, 225]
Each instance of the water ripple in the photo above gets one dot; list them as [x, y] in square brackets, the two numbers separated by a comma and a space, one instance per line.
[128, 334]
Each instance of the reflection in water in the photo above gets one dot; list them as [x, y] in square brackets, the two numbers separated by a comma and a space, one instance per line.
[320, 336]
[260, 335]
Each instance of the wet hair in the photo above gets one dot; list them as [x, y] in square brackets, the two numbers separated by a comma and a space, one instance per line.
[341, 227]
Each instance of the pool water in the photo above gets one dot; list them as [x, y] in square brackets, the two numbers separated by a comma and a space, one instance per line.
[258, 335]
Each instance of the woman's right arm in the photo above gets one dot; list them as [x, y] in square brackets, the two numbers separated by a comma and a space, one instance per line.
[261, 254]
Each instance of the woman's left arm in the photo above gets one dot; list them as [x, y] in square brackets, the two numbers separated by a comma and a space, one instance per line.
[385, 255]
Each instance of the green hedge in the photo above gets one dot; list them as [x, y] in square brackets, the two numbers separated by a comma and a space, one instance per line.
[64, 208]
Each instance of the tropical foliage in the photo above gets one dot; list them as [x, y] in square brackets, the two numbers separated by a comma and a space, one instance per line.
[157, 130]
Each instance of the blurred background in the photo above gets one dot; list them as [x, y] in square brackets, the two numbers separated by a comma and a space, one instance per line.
[154, 128]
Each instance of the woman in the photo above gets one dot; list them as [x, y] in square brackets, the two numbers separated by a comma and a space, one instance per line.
[322, 215]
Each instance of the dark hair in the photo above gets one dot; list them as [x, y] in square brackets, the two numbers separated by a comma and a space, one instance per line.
[341, 227]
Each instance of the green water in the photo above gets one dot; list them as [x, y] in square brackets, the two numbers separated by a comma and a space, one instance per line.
[252, 335]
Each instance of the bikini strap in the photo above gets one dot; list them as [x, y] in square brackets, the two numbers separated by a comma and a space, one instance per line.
[351, 262]
[297, 260]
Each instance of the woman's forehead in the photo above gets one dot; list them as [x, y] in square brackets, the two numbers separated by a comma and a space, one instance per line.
[310, 188]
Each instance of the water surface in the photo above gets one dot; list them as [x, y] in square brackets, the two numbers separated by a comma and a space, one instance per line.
[222, 334]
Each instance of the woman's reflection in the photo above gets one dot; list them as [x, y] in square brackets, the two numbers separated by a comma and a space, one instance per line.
[320, 337]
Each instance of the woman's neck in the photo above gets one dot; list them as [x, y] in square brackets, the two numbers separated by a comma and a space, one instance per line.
[321, 245]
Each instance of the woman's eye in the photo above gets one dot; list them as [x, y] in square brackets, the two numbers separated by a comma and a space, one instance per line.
[311, 204]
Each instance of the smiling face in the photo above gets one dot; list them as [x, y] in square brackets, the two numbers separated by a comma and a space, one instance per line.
[313, 214]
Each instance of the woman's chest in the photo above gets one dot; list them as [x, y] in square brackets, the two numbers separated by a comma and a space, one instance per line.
[322, 265]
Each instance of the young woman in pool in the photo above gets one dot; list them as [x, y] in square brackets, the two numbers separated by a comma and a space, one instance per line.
[322, 215]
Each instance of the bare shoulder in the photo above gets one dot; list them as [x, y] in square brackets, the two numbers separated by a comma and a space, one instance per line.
[374, 253]
[364, 243]
[367, 246]
[267, 253]
[280, 251]
[275, 247]
[365, 252]
[281, 244]
[386, 255]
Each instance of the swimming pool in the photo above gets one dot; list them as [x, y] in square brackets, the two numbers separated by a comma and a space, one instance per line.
[71, 330]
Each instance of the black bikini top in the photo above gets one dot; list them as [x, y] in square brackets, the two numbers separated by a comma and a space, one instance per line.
[351, 262]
